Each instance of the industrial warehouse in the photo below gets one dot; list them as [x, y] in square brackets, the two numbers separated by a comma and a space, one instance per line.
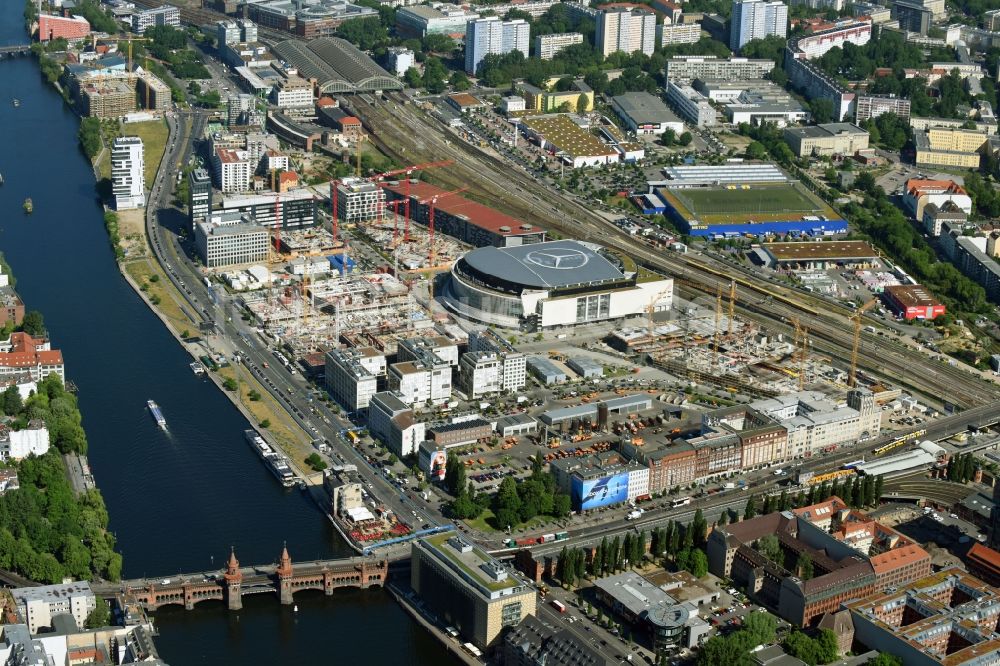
[557, 283]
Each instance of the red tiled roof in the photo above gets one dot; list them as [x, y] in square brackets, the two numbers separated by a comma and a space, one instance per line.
[25, 353]
[477, 214]
[898, 557]
[916, 186]
[324, 102]
[985, 557]
[349, 120]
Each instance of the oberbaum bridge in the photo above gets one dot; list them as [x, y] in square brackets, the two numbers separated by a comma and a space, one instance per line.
[233, 583]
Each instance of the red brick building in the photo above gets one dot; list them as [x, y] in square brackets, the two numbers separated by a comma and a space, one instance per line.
[68, 27]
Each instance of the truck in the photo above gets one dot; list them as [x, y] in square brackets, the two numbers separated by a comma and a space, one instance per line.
[546, 538]
[728, 486]
[558, 605]
[634, 514]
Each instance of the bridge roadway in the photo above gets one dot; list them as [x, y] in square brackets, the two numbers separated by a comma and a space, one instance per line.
[412, 136]
[15, 49]
[713, 505]
[233, 582]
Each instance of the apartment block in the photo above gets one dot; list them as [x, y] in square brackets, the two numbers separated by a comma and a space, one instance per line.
[492, 36]
[233, 169]
[393, 422]
[422, 376]
[352, 375]
[21, 354]
[357, 199]
[65, 27]
[167, 15]
[756, 19]
[626, 30]
[228, 240]
[38, 605]
[199, 195]
[547, 46]
[689, 68]
[128, 182]
[873, 106]
[513, 369]
[668, 34]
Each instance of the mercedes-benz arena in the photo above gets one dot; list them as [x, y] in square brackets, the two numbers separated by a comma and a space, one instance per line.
[556, 283]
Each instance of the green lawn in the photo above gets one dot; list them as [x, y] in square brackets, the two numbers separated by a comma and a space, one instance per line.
[154, 142]
[723, 201]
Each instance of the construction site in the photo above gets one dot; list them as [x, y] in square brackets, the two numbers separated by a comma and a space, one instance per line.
[707, 343]
[365, 274]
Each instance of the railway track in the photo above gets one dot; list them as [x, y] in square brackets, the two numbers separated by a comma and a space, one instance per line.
[412, 137]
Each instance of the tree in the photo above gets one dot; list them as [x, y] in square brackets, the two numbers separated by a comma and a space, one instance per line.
[582, 104]
[699, 528]
[801, 646]
[507, 503]
[761, 627]
[669, 138]
[315, 462]
[698, 565]
[756, 151]
[685, 139]
[365, 33]
[821, 110]
[454, 475]
[100, 616]
[884, 659]
[33, 323]
[413, 78]
[804, 566]
[827, 648]
[12, 403]
[751, 508]
[769, 547]
[460, 81]
[435, 75]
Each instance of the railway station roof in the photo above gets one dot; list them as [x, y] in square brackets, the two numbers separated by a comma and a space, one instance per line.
[337, 65]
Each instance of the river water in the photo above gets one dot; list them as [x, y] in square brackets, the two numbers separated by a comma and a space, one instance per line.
[177, 500]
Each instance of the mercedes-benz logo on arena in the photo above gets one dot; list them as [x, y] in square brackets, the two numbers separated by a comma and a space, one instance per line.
[561, 259]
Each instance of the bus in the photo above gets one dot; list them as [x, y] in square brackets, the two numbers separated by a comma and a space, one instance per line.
[558, 605]
[680, 501]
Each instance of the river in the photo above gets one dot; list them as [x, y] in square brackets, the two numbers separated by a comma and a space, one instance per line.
[177, 500]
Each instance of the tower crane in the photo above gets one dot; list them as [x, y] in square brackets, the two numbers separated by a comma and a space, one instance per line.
[856, 319]
[432, 249]
[731, 326]
[718, 323]
[408, 171]
[651, 308]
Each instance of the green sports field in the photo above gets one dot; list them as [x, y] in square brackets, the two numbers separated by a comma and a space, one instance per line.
[755, 203]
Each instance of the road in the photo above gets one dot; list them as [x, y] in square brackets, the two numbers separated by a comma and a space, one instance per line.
[760, 483]
[213, 305]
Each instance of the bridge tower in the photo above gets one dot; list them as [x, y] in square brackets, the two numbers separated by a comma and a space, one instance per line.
[285, 572]
[234, 579]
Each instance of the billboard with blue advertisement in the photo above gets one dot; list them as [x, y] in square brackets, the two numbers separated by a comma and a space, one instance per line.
[605, 491]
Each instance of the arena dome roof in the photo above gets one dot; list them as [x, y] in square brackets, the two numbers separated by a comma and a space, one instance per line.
[548, 265]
